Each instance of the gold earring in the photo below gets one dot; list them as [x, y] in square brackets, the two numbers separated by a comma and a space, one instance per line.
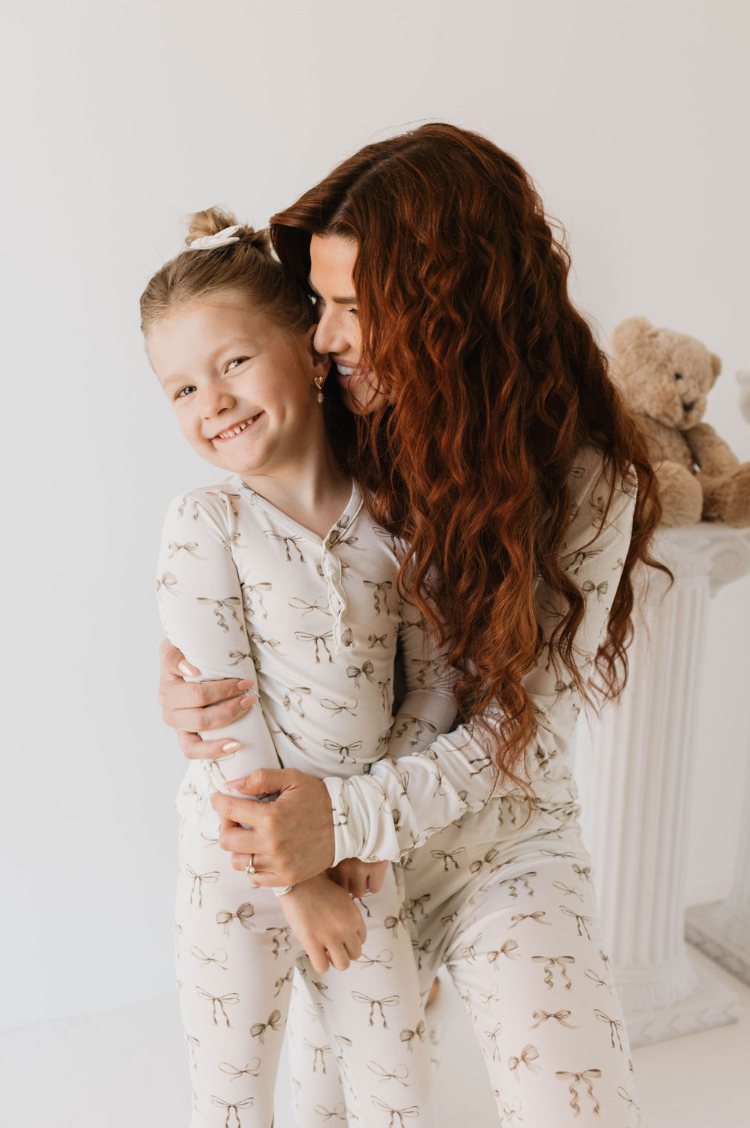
[319, 381]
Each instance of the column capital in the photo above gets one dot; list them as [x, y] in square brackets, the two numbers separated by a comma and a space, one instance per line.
[720, 551]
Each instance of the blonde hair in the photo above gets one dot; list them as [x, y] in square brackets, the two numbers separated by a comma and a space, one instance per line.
[247, 265]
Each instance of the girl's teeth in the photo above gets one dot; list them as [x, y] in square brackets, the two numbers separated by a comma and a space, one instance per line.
[240, 427]
[344, 371]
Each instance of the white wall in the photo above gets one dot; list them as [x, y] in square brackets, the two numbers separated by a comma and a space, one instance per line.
[123, 116]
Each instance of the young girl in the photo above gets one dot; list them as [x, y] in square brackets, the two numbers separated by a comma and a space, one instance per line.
[279, 575]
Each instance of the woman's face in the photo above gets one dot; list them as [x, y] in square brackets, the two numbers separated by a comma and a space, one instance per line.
[338, 333]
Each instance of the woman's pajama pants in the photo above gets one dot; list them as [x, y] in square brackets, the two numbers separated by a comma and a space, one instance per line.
[236, 957]
[514, 920]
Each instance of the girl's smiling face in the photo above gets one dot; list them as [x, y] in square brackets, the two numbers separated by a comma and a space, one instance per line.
[242, 387]
[332, 260]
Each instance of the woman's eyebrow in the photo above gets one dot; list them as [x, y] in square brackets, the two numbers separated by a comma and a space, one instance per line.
[337, 301]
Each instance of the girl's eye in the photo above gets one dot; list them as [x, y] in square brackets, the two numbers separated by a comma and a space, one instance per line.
[354, 311]
[182, 391]
[237, 360]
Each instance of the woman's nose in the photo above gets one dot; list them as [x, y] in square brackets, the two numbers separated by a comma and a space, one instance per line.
[328, 336]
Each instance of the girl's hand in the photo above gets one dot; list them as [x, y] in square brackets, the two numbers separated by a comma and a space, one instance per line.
[327, 923]
[359, 878]
[192, 708]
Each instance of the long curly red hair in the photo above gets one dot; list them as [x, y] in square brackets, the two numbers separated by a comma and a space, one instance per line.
[494, 381]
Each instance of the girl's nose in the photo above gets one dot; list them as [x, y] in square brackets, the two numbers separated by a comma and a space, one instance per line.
[214, 401]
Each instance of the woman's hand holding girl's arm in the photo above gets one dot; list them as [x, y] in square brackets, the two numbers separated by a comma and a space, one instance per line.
[192, 708]
[292, 838]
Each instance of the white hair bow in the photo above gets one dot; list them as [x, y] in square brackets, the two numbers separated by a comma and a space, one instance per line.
[220, 239]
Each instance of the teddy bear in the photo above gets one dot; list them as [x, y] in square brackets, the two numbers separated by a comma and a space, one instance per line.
[664, 378]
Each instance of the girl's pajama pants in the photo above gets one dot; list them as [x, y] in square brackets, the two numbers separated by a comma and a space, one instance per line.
[514, 920]
[236, 957]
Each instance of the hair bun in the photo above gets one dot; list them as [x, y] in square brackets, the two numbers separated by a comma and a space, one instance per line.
[213, 220]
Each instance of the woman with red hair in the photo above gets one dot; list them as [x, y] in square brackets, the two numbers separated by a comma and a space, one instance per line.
[487, 435]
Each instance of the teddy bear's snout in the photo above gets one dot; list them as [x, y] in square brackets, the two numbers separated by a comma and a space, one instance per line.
[689, 406]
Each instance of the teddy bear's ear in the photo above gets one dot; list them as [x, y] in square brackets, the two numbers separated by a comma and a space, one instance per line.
[715, 366]
[629, 331]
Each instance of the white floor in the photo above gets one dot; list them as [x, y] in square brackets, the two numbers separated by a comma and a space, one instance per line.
[125, 1069]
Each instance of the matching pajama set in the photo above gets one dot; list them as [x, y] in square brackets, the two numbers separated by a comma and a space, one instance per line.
[506, 904]
[245, 591]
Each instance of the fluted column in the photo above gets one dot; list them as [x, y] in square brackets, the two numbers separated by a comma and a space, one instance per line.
[635, 767]
[722, 930]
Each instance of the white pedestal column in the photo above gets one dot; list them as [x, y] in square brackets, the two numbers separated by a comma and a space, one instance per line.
[634, 767]
[722, 930]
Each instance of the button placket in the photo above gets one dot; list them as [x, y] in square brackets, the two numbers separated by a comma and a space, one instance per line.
[333, 573]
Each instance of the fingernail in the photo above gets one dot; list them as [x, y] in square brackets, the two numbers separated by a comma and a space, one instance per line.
[243, 685]
[235, 783]
[231, 746]
[246, 702]
[187, 671]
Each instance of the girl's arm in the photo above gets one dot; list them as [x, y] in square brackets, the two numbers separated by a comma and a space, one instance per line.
[401, 802]
[202, 612]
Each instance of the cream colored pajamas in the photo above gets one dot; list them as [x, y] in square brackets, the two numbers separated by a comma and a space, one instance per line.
[508, 908]
[244, 591]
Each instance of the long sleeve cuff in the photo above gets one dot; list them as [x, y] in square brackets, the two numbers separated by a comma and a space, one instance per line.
[375, 821]
[356, 832]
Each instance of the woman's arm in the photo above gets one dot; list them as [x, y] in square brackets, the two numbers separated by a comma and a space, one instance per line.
[454, 775]
[428, 707]
[400, 803]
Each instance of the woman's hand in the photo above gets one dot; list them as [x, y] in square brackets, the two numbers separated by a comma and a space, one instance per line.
[359, 878]
[291, 838]
[327, 923]
[192, 708]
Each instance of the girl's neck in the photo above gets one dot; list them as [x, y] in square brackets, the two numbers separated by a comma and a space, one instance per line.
[312, 489]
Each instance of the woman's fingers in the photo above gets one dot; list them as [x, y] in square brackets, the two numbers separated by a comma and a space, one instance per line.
[197, 695]
[248, 812]
[173, 662]
[237, 840]
[199, 706]
[210, 717]
[262, 863]
[193, 748]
